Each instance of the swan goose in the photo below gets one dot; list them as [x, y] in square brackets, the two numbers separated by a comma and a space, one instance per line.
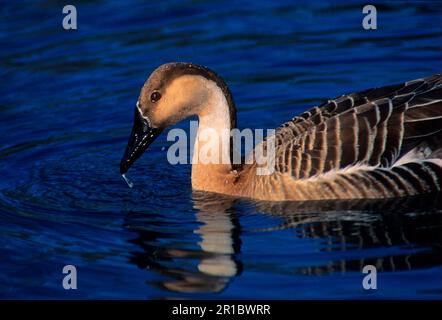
[378, 143]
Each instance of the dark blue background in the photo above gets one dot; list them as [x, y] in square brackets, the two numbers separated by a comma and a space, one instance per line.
[66, 106]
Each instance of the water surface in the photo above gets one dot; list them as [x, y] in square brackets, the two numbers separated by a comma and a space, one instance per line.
[66, 106]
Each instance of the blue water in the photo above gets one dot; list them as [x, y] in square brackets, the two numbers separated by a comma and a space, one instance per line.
[66, 107]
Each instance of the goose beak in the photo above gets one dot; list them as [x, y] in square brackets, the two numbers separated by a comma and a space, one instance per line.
[141, 137]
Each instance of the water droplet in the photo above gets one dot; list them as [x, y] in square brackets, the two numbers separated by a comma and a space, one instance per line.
[128, 181]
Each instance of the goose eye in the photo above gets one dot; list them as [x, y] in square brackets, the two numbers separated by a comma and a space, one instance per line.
[155, 96]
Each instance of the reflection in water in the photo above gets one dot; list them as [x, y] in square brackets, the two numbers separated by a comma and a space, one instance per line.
[218, 231]
[412, 224]
[410, 227]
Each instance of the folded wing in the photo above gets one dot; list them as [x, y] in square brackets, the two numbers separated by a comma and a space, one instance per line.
[376, 128]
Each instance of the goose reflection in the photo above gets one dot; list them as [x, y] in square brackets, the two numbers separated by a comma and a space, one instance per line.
[207, 257]
[207, 268]
[411, 224]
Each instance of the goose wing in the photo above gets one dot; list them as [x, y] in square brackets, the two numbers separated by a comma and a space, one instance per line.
[374, 128]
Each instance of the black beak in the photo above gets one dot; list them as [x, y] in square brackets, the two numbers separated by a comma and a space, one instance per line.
[141, 137]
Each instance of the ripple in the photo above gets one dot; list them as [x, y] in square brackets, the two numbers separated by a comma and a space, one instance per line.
[64, 117]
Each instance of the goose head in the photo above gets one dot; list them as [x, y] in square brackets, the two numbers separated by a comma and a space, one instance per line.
[173, 92]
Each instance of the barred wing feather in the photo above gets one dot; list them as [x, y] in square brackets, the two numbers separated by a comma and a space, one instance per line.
[389, 133]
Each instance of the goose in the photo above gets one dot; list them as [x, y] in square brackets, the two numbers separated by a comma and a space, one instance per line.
[379, 143]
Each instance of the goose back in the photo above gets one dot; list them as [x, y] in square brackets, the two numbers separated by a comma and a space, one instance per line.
[381, 142]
